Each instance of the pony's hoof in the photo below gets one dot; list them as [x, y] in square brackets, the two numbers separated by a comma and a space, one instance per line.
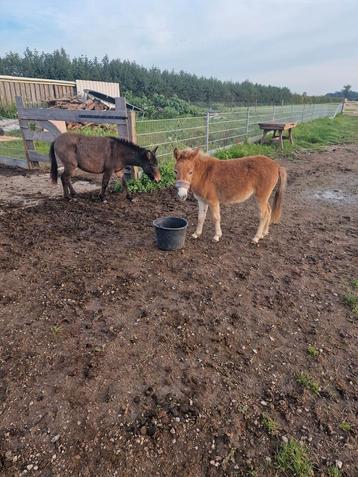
[195, 235]
[104, 201]
[216, 238]
[255, 241]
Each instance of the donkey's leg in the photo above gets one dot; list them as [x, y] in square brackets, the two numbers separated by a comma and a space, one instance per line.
[203, 208]
[65, 181]
[264, 217]
[120, 174]
[215, 213]
[105, 179]
[72, 190]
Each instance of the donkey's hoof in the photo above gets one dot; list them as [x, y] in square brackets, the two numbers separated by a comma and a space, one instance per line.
[195, 235]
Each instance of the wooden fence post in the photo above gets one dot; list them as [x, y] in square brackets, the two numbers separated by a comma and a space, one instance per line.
[24, 124]
[132, 135]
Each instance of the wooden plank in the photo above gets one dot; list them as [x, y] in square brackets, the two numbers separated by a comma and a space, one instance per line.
[11, 162]
[121, 110]
[7, 93]
[2, 93]
[132, 136]
[80, 116]
[36, 157]
[46, 136]
[24, 125]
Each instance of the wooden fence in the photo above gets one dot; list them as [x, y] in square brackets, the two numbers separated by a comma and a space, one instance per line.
[36, 90]
[45, 124]
[33, 90]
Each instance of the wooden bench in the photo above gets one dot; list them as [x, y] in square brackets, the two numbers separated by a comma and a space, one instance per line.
[278, 129]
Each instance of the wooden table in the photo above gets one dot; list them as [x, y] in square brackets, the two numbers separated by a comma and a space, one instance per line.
[278, 130]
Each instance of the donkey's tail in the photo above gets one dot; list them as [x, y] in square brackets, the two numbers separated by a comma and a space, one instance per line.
[54, 170]
[277, 202]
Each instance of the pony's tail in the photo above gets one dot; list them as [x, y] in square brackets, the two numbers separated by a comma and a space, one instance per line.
[277, 202]
[54, 170]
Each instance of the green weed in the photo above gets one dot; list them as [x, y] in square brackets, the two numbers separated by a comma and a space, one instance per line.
[312, 351]
[333, 471]
[269, 424]
[308, 382]
[345, 426]
[292, 459]
[56, 330]
[351, 300]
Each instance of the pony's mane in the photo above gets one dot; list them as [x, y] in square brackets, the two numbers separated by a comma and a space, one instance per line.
[129, 144]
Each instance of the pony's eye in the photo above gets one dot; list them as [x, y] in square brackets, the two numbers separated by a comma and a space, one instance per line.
[176, 172]
[190, 173]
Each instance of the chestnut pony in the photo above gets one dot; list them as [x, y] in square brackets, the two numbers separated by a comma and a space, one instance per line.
[215, 181]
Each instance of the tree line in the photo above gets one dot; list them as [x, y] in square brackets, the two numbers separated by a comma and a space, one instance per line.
[141, 84]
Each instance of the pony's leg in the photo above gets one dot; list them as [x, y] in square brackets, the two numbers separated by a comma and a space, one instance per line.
[266, 228]
[215, 213]
[203, 208]
[264, 217]
[121, 176]
[105, 179]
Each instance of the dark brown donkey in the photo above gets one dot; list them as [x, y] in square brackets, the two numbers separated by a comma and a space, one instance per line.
[99, 155]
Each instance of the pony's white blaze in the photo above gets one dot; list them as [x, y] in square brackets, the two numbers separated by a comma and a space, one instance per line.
[183, 187]
[183, 193]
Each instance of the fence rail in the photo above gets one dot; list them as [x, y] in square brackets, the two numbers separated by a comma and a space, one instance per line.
[216, 130]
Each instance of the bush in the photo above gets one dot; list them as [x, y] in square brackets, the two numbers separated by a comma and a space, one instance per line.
[8, 111]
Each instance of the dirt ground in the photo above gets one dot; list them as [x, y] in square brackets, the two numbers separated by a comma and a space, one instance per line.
[117, 359]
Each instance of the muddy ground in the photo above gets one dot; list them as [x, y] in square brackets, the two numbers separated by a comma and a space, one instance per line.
[117, 359]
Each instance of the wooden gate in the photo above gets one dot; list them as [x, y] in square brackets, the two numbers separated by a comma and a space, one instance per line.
[45, 124]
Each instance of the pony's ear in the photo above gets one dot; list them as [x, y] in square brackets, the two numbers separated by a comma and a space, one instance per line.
[196, 151]
[155, 149]
[176, 153]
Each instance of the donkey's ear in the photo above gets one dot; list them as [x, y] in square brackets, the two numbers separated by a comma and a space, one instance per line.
[176, 153]
[155, 149]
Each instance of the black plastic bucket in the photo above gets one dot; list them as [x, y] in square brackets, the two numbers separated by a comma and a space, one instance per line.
[170, 232]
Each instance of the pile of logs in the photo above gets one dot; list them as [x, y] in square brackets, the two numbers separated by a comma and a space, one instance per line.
[77, 102]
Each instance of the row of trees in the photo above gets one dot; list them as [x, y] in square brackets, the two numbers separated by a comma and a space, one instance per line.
[138, 81]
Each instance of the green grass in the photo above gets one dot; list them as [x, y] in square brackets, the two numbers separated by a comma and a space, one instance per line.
[312, 351]
[308, 382]
[345, 426]
[293, 460]
[351, 300]
[269, 424]
[8, 111]
[312, 135]
[333, 471]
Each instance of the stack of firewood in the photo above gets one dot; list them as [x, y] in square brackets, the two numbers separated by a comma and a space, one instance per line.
[76, 102]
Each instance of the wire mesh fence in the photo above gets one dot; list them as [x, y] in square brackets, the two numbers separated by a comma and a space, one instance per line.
[216, 130]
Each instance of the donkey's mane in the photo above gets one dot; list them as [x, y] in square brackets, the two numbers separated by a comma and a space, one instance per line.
[129, 144]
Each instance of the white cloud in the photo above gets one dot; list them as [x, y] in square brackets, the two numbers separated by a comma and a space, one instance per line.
[307, 45]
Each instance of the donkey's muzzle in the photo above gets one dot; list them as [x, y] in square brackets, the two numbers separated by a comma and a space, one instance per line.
[157, 175]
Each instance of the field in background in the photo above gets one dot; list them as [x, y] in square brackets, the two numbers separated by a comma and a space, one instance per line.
[211, 132]
[218, 130]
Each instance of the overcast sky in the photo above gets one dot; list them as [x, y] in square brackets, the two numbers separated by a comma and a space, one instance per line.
[307, 45]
